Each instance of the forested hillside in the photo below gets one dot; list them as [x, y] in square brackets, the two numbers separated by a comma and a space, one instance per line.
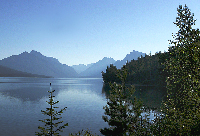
[144, 71]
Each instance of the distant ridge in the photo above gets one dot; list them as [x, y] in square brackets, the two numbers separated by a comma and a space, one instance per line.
[96, 69]
[8, 72]
[36, 63]
[81, 67]
[133, 55]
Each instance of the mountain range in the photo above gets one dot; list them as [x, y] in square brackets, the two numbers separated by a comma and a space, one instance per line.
[34, 64]
[95, 69]
[81, 67]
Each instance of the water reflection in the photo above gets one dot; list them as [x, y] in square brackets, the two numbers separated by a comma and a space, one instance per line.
[22, 99]
[151, 96]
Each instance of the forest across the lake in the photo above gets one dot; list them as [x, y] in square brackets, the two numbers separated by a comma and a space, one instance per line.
[146, 74]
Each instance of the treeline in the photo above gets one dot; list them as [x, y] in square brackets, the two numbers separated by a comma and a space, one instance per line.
[146, 74]
[146, 70]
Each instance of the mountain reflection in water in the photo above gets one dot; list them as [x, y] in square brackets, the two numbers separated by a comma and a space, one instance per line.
[22, 99]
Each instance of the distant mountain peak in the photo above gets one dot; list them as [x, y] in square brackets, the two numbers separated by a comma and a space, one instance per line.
[25, 52]
[35, 53]
[36, 63]
[95, 69]
[132, 55]
[107, 58]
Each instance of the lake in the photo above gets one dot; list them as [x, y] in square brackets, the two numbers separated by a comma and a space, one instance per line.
[22, 99]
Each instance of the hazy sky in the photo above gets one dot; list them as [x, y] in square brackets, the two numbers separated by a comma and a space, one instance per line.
[85, 31]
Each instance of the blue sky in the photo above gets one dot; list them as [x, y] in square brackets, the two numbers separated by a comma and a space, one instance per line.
[85, 31]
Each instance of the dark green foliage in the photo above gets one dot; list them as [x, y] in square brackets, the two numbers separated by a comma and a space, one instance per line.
[51, 126]
[110, 75]
[152, 96]
[124, 110]
[144, 71]
[182, 108]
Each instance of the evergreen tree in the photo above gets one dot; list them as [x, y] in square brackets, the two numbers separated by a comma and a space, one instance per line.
[110, 75]
[51, 126]
[181, 110]
[124, 112]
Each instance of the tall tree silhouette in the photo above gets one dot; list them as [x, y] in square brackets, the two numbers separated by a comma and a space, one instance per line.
[181, 110]
[124, 113]
[52, 125]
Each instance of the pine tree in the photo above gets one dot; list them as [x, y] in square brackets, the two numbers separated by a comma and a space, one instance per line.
[110, 75]
[181, 110]
[124, 112]
[51, 126]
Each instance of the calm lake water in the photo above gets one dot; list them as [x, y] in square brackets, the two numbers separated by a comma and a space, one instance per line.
[22, 99]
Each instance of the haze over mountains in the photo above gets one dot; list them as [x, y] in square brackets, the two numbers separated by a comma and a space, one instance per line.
[34, 64]
[133, 55]
[81, 67]
[95, 69]
[8, 72]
